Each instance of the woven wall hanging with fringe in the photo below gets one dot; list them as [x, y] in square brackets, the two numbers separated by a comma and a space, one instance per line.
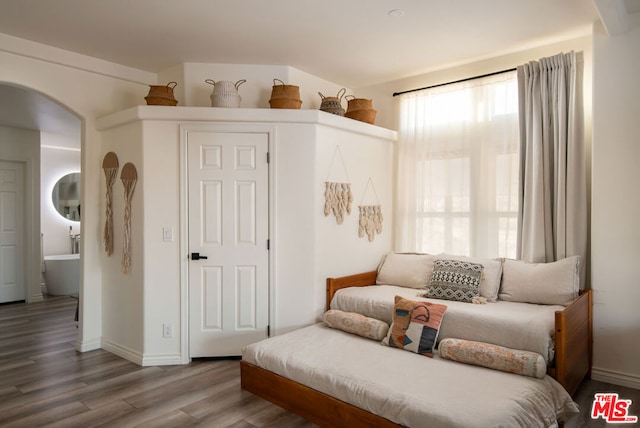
[110, 166]
[129, 177]
[370, 220]
[337, 195]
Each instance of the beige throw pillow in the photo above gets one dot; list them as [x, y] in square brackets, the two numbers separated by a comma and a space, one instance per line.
[406, 270]
[554, 283]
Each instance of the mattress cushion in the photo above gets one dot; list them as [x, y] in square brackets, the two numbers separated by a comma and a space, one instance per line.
[515, 325]
[408, 388]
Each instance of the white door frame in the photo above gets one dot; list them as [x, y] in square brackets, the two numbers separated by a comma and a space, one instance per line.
[184, 217]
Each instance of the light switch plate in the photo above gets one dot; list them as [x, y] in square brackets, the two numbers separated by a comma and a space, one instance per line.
[167, 234]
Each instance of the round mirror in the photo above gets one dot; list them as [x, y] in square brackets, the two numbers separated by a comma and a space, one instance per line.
[66, 196]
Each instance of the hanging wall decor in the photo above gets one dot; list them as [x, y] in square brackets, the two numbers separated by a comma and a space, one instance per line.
[338, 198]
[129, 177]
[110, 166]
[370, 220]
[337, 195]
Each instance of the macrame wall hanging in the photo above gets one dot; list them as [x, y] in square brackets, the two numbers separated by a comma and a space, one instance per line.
[110, 166]
[129, 177]
[337, 195]
[370, 221]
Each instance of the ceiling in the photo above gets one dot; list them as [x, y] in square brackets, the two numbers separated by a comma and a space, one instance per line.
[353, 43]
[22, 108]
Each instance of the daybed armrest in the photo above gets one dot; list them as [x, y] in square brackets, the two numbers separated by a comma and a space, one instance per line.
[573, 341]
[357, 280]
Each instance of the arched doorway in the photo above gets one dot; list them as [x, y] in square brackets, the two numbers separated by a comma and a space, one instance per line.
[43, 138]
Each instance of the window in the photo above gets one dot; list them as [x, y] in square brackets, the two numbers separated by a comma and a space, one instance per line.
[458, 168]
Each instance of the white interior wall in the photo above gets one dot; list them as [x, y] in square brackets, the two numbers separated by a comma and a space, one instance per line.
[339, 249]
[192, 91]
[173, 74]
[90, 88]
[307, 247]
[159, 180]
[615, 227]
[294, 233]
[21, 145]
[55, 163]
[310, 85]
[122, 300]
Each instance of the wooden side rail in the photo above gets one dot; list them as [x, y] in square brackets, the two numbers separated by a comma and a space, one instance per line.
[573, 341]
[312, 405]
[357, 280]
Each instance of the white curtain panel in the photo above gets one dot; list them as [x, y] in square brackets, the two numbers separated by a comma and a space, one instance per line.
[552, 223]
[457, 181]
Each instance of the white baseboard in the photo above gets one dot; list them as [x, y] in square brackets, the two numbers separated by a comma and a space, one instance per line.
[122, 351]
[617, 378]
[88, 345]
[142, 359]
[163, 360]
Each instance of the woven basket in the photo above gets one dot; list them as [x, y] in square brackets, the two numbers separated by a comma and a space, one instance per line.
[333, 104]
[285, 103]
[364, 115]
[360, 109]
[358, 103]
[225, 93]
[226, 99]
[159, 101]
[161, 95]
[285, 96]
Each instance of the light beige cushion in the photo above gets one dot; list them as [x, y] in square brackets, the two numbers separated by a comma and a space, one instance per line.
[406, 270]
[495, 357]
[554, 283]
[352, 322]
[490, 282]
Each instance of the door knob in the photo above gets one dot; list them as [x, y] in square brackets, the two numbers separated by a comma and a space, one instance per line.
[197, 256]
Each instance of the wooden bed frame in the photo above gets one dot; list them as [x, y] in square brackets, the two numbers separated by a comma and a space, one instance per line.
[573, 332]
[573, 344]
[314, 406]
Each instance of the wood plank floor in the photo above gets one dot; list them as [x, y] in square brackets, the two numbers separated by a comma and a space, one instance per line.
[45, 382]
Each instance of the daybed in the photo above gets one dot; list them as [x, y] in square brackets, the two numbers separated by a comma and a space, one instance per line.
[335, 378]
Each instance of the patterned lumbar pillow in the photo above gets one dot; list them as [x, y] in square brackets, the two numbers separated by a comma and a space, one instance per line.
[495, 357]
[455, 280]
[491, 275]
[355, 323]
[415, 326]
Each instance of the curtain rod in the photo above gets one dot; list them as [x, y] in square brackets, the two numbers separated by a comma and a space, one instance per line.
[395, 94]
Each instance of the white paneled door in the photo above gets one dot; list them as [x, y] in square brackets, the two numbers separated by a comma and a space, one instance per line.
[12, 287]
[228, 178]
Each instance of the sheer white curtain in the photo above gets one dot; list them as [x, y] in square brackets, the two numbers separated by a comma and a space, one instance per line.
[553, 216]
[457, 185]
